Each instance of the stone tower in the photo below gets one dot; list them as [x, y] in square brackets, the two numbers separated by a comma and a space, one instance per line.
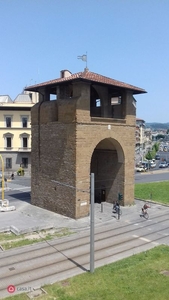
[84, 123]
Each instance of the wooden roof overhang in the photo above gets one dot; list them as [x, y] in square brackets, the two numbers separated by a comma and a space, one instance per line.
[89, 77]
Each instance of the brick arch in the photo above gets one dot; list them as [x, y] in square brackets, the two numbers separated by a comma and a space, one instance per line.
[107, 163]
[114, 143]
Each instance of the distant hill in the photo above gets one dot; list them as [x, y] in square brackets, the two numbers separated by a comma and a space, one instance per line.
[157, 126]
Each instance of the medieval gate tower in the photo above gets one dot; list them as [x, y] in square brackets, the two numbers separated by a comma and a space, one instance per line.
[84, 123]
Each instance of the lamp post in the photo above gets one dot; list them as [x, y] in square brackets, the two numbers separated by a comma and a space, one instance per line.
[92, 223]
[2, 163]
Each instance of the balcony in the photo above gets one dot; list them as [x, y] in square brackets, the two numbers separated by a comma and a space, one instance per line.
[8, 148]
[24, 149]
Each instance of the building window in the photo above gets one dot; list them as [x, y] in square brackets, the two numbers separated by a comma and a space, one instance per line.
[25, 142]
[24, 122]
[8, 142]
[8, 122]
[8, 163]
[24, 162]
[115, 100]
[98, 103]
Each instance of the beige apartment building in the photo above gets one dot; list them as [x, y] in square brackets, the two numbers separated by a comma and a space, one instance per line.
[15, 131]
[140, 133]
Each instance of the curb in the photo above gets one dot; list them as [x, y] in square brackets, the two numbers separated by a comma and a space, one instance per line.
[151, 201]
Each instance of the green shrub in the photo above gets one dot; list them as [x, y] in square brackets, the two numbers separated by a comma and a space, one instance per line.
[20, 172]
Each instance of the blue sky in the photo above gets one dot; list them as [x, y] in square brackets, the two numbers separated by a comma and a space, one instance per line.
[127, 40]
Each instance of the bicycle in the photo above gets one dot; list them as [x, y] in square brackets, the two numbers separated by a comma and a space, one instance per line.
[117, 210]
[144, 212]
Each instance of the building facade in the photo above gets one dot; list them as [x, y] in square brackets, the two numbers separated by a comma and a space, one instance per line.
[84, 123]
[140, 133]
[15, 131]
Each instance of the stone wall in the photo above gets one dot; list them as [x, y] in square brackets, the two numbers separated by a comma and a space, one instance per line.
[64, 140]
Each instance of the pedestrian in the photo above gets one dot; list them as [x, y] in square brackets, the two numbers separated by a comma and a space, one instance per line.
[5, 182]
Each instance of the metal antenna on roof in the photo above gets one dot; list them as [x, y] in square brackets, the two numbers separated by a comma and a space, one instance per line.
[84, 58]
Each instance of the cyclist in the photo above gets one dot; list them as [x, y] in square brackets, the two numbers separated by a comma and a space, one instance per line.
[144, 208]
[116, 206]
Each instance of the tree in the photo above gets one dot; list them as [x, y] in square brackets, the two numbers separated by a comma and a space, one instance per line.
[160, 136]
[156, 147]
[149, 155]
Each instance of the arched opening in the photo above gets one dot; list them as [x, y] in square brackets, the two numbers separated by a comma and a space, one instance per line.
[107, 164]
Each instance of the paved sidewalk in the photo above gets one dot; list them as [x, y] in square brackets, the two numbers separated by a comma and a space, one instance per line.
[28, 218]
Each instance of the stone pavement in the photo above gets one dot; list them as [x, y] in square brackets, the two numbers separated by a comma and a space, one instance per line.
[28, 218]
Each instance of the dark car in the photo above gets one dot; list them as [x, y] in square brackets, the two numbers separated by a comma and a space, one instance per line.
[157, 157]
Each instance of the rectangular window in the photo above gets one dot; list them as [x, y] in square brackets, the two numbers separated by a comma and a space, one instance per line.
[24, 162]
[8, 142]
[8, 163]
[98, 103]
[24, 122]
[25, 142]
[115, 100]
[8, 121]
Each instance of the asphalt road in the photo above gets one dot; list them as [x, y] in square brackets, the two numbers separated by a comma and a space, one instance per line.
[18, 189]
[152, 176]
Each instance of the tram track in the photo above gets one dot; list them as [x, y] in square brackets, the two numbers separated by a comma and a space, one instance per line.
[68, 265]
[59, 253]
[65, 257]
[50, 261]
[57, 245]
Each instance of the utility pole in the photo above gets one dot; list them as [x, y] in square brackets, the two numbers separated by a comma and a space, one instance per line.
[92, 223]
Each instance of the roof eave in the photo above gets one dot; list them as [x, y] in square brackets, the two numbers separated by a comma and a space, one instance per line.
[38, 87]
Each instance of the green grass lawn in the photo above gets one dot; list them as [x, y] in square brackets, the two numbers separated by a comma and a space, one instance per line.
[9, 240]
[135, 278]
[156, 191]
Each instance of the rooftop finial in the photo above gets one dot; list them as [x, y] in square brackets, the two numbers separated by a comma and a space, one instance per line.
[84, 58]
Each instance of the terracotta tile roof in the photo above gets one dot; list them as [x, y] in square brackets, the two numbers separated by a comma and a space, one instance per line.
[138, 119]
[87, 76]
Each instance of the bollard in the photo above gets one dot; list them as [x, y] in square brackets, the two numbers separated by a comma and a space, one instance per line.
[101, 206]
[118, 213]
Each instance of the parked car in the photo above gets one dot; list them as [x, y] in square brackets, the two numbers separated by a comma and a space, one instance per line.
[152, 164]
[163, 164]
[141, 169]
[146, 165]
[157, 157]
